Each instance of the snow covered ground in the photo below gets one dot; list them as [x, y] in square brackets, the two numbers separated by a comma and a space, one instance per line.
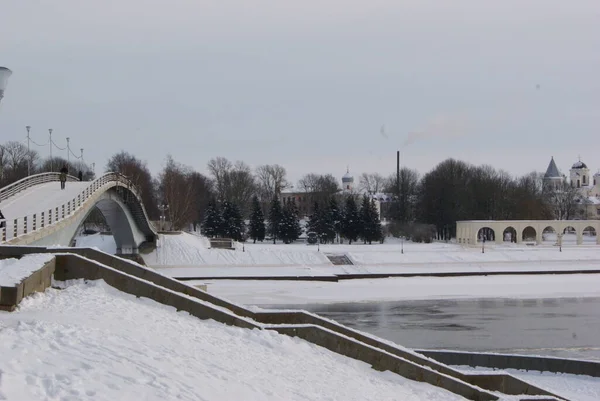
[191, 250]
[13, 271]
[396, 289]
[187, 255]
[104, 243]
[572, 387]
[90, 341]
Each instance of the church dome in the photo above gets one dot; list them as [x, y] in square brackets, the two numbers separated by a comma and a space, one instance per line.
[347, 178]
[579, 165]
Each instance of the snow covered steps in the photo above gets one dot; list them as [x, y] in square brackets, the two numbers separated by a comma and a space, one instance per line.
[339, 260]
[138, 280]
[22, 277]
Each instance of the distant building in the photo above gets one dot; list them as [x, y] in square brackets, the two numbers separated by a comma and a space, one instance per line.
[347, 182]
[579, 177]
[301, 198]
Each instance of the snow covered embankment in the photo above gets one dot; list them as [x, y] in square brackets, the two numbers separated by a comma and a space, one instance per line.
[189, 250]
[92, 341]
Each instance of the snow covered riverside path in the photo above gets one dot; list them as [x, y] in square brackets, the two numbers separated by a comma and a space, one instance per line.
[90, 341]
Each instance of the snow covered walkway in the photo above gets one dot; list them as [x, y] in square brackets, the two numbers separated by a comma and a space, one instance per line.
[40, 198]
[90, 341]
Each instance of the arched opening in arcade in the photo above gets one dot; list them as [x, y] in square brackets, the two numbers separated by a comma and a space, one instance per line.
[486, 234]
[529, 235]
[549, 236]
[569, 236]
[589, 235]
[509, 235]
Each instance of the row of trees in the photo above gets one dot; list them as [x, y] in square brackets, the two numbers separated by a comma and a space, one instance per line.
[16, 162]
[452, 191]
[328, 221]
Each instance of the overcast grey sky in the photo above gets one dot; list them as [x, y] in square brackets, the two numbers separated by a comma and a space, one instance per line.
[308, 84]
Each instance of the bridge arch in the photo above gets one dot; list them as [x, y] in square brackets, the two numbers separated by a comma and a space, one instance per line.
[112, 194]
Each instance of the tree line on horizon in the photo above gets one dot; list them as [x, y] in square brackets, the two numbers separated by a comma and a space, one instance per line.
[16, 161]
[427, 205]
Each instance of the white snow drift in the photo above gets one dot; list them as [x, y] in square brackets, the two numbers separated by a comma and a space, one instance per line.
[90, 341]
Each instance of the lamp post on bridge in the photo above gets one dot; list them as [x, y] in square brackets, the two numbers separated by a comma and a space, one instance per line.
[162, 207]
[28, 128]
[51, 162]
[5, 73]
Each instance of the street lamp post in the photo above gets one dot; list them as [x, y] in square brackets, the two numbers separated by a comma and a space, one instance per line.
[162, 207]
[68, 151]
[51, 162]
[560, 242]
[28, 128]
[402, 244]
[5, 73]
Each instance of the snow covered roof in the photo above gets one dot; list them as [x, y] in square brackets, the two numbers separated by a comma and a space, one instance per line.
[579, 165]
[552, 170]
[382, 197]
[593, 200]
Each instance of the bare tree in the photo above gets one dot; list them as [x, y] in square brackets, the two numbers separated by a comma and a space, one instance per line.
[405, 194]
[203, 192]
[139, 174]
[233, 182]
[177, 193]
[319, 187]
[219, 168]
[564, 200]
[15, 159]
[371, 183]
[270, 181]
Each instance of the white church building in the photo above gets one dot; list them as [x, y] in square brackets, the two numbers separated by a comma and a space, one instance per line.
[580, 178]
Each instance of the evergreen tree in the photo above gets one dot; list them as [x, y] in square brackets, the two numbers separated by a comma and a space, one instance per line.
[233, 224]
[275, 216]
[335, 216]
[351, 221]
[314, 221]
[257, 221]
[213, 222]
[289, 229]
[327, 226]
[376, 227]
[370, 225]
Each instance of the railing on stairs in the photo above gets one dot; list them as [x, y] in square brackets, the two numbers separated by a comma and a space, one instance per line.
[22, 225]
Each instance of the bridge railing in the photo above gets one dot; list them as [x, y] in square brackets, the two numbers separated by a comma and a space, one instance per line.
[31, 222]
[30, 181]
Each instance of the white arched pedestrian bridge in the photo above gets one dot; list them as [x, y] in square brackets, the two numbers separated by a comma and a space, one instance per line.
[529, 231]
[38, 212]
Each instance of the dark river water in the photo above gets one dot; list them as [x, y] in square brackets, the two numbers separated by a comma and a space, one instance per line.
[566, 327]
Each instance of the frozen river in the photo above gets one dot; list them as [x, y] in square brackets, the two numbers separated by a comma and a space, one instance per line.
[565, 327]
